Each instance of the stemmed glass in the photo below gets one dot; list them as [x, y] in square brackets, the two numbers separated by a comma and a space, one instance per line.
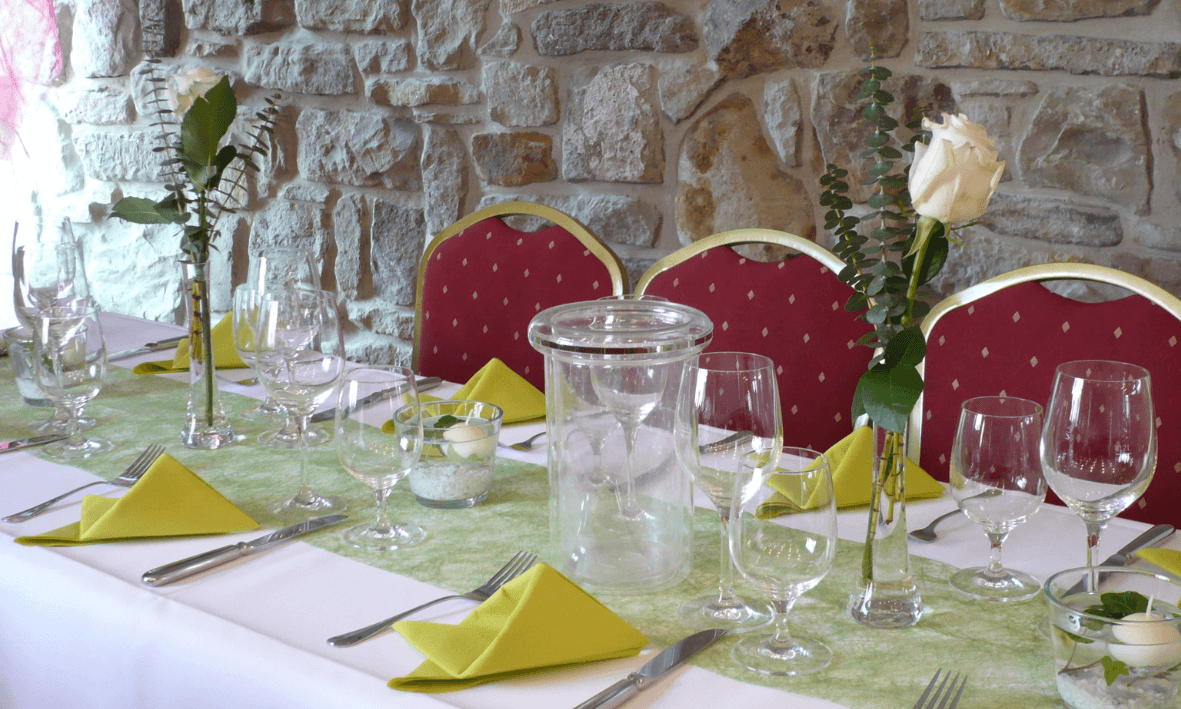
[630, 392]
[1098, 446]
[71, 363]
[373, 456]
[728, 409]
[783, 537]
[300, 353]
[246, 304]
[996, 479]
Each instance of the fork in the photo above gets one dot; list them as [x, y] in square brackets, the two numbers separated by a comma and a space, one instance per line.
[939, 700]
[524, 446]
[927, 534]
[514, 568]
[126, 479]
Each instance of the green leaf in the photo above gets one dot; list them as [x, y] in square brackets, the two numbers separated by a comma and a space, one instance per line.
[881, 167]
[877, 139]
[937, 252]
[1113, 669]
[870, 85]
[856, 303]
[206, 123]
[1118, 605]
[873, 113]
[144, 211]
[880, 73]
[907, 348]
[888, 153]
[882, 97]
[888, 394]
[876, 314]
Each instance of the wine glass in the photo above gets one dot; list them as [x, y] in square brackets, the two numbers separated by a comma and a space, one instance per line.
[374, 456]
[71, 363]
[1098, 446]
[246, 304]
[728, 408]
[300, 351]
[783, 538]
[630, 392]
[996, 479]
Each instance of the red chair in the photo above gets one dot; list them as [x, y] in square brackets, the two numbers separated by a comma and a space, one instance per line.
[1006, 335]
[480, 282]
[792, 311]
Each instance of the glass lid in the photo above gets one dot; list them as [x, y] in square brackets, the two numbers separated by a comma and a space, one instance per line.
[621, 328]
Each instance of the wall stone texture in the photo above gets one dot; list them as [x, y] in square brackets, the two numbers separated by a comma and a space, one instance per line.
[654, 123]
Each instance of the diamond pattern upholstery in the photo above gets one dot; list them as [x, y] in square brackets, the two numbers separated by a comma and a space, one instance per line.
[791, 311]
[1007, 335]
[480, 282]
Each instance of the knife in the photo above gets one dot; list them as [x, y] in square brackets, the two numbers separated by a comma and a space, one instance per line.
[1152, 537]
[657, 667]
[193, 565]
[27, 442]
[149, 347]
[425, 384]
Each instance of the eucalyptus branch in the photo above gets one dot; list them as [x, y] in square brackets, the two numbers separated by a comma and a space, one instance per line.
[262, 131]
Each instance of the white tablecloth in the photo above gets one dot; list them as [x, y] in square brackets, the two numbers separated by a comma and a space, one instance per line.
[77, 627]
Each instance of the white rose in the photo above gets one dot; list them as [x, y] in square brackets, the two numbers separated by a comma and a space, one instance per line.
[953, 178]
[188, 86]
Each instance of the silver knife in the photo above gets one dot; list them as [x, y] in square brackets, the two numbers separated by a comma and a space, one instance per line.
[149, 347]
[1152, 537]
[27, 442]
[425, 384]
[193, 565]
[657, 667]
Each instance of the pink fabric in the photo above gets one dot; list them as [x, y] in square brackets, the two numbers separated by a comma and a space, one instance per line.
[30, 58]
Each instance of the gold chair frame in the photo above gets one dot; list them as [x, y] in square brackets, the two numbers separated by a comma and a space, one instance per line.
[619, 280]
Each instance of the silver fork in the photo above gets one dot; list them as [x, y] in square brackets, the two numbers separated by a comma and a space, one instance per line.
[514, 568]
[524, 446]
[126, 479]
[939, 700]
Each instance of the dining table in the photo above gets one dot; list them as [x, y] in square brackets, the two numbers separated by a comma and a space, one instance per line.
[78, 627]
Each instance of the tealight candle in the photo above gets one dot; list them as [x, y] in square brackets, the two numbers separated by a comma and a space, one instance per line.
[468, 441]
[1147, 640]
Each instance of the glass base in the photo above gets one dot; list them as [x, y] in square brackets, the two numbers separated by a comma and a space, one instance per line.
[452, 504]
[273, 439]
[742, 616]
[801, 657]
[63, 450]
[198, 436]
[305, 505]
[53, 425]
[883, 606]
[1009, 586]
[398, 536]
[262, 412]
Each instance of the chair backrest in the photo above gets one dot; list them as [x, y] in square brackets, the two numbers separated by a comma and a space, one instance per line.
[792, 311]
[1007, 335]
[480, 282]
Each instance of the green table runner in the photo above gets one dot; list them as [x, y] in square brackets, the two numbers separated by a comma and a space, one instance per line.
[999, 644]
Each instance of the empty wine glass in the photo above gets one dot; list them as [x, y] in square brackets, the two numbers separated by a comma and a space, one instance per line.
[728, 409]
[71, 364]
[783, 538]
[630, 392]
[996, 479]
[1098, 447]
[246, 304]
[300, 353]
[369, 397]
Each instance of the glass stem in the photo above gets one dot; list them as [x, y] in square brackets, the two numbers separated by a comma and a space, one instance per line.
[782, 637]
[995, 540]
[381, 524]
[1093, 531]
[726, 595]
[305, 496]
[75, 438]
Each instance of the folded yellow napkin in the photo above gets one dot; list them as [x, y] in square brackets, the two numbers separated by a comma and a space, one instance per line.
[169, 500]
[224, 354]
[851, 459]
[537, 621]
[1167, 559]
[496, 384]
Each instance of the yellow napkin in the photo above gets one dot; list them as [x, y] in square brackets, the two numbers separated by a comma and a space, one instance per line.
[537, 621]
[852, 474]
[224, 354]
[1167, 559]
[496, 384]
[169, 500]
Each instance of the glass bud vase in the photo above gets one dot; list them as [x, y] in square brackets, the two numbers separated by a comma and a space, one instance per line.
[206, 426]
[886, 595]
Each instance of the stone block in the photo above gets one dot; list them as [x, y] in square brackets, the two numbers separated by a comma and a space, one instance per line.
[236, 18]
[1077, 55]
[383, 56]
[119, 155]
[360, 149]
[1071, 10]
[748, 37]
[1055, 221]
[997, 120]
[203, 48]
[154, 291]
[284, 223]
[993, 88]
[951, 9]
[644, 26]
[446, 31]
[880, 24]
[986, 255]
[301, 191]
[728, 177]
[440, 90]
[637, 266]
[511, 7]
[105, 37]
[444, 178]
[683, 90]
[1171, 134]
[1092, 141]
[513, 159]
[444, 118]
[1166, 237]
[383, 318]
[612, 131]
[319, 69]
[348, 228]
[396, 242]
[371, 348]
[367, 16]
[620, 219]
[784, 116]
[98, 105]
[504, 43]
[521, 95]
[160, 24]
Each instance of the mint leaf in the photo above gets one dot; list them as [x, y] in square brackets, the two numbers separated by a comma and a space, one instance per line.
[1112, 669]
[445, 421]
[1118, 605]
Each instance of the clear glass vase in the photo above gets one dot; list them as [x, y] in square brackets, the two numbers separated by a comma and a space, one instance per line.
[206, 426]
[886, 595]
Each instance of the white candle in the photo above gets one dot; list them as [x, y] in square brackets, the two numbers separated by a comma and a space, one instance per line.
[1148, 640]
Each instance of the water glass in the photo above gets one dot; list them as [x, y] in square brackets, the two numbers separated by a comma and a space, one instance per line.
[245, 315]
[459, 451]
[19, 342]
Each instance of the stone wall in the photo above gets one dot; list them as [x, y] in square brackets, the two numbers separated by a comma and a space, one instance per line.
[654, 123]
